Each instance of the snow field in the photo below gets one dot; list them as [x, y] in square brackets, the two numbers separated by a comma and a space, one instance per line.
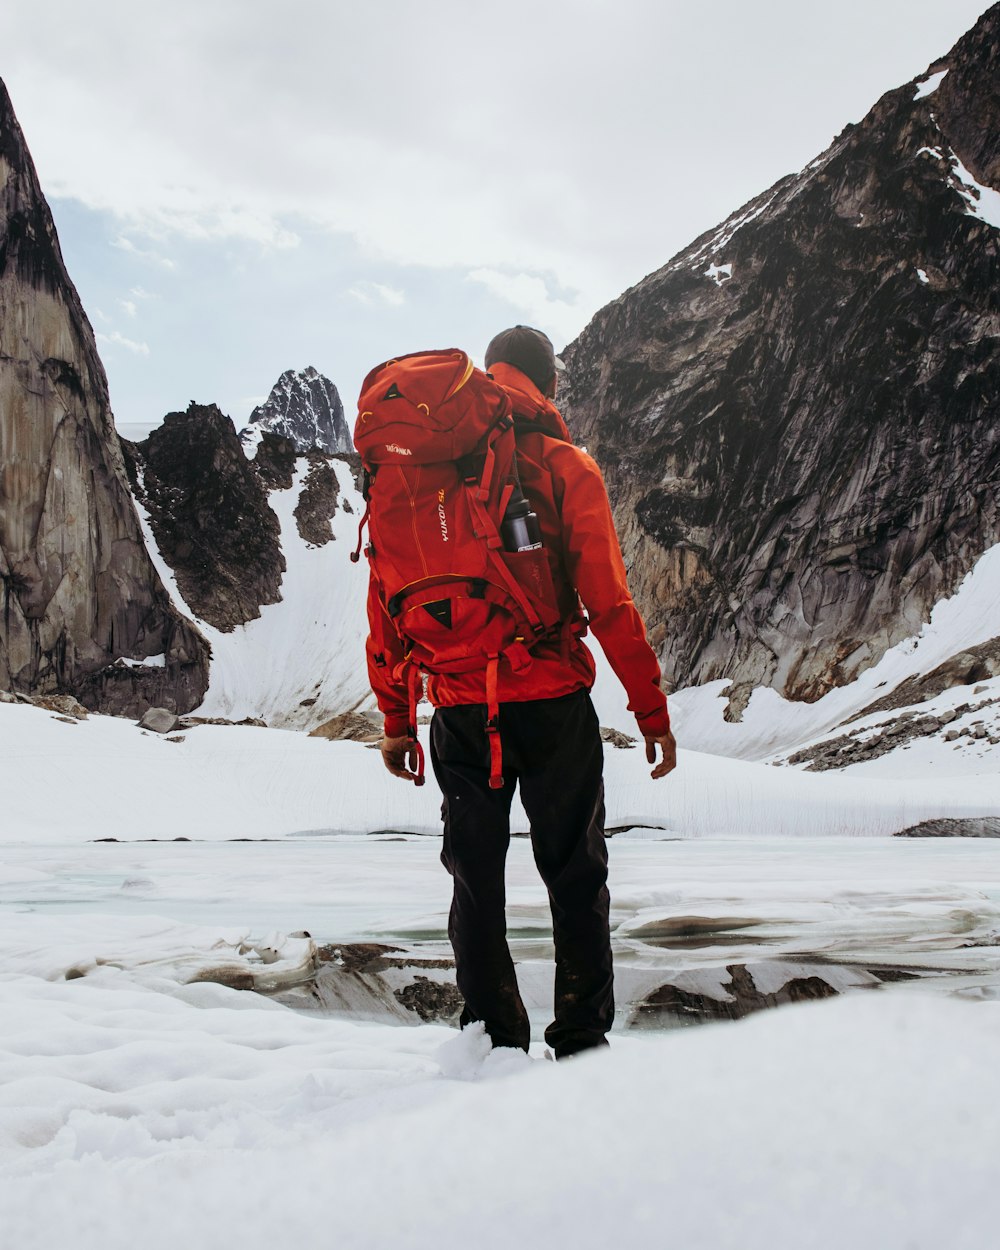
[207, 1118]
[106, 778]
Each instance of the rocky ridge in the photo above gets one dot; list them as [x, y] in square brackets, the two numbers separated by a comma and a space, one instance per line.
[305, 407]
[84, 611]
[209, 513]
[796, 415]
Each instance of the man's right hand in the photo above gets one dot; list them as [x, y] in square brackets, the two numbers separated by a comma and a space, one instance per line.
[400, 757]
[668, 754]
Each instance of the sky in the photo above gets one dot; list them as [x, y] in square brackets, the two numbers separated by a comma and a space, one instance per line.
[243, 187]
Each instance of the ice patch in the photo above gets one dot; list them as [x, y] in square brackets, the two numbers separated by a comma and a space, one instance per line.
[929, 85]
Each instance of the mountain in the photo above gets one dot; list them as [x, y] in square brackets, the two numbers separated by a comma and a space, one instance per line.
[305, 407]
[208, 512]
[84, 611]
[796, 415]
[256, 552]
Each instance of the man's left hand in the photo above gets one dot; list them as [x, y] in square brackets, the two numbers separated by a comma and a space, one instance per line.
[668, 757]
[400, 757]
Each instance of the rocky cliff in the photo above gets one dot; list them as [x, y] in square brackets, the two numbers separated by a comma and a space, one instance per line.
[305, 407]
[797, 415]
[84, 611]
[209, 513]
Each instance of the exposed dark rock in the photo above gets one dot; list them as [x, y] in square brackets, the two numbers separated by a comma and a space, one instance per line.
[64, 704]
[159, 720]
[683, 1006]
[79, 590]
[210, 515]
[367, 980]
[349, 726]
[274, 463]
[615, 738]
[431, 1000]
[797, 415]
[967, 827]
[871, 742]
[964, 669]
[306, 408]
[317, 502]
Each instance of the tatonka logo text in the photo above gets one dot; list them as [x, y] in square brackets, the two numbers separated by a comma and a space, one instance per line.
[442, 517]
[400, 451]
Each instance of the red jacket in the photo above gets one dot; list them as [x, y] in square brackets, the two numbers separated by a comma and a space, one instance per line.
[568, 494]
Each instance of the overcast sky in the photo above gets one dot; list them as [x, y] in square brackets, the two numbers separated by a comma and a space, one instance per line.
[246, 186]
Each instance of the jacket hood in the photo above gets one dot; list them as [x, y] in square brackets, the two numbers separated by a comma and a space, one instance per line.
[529, 403]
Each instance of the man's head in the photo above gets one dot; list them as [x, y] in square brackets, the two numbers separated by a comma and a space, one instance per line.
[529, 350]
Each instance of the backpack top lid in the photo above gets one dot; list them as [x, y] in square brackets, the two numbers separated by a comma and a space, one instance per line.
[425, 408]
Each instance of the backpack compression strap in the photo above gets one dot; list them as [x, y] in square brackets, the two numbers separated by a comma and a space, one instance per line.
[493, 724]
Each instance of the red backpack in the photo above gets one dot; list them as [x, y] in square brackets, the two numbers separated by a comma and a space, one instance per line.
[436, 437]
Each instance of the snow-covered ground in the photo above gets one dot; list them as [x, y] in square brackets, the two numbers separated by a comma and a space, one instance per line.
[137, 1107]
[104, 777]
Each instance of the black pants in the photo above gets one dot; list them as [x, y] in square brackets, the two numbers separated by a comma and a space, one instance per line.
[552, 747]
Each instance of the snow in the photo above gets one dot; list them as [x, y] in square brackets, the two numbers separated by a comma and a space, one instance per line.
[133, 1079]
[982, 201]
[719, 273]
[150, 661]
[929, 85]
[922, 275]
[221, 782]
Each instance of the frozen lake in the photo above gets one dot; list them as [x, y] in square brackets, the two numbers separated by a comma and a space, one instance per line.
[683, 910]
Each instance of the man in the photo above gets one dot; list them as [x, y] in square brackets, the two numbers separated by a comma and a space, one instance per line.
[551, 744]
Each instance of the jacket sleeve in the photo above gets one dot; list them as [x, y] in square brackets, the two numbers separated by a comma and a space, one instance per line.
[594, 563]
[385, 652]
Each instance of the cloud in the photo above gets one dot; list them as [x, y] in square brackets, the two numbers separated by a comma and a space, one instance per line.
[377, 293]
[585, 139]
[116, 339]
[126, 245]
[529, 295]
[140, 293]
[129, 306]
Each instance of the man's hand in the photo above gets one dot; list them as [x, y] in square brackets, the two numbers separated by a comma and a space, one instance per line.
[400, 757]
[668, 749]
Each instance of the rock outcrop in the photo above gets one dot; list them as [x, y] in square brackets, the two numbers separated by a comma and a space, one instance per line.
[84, 612]
[305, 407]
[797, 415]
[209, 512]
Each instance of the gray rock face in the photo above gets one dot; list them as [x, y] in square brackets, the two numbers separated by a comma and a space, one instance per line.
[317, 502]
[159, 720]
[79, 590]
[797, 415]
[305, 407]
[970, 827]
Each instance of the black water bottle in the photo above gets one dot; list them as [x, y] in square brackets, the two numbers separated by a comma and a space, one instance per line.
[520, 529]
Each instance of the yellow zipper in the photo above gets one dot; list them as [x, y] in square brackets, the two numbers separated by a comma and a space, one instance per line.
[469, 367]
[413, 520]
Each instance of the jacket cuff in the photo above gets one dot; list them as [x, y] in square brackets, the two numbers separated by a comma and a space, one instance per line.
[654, 724]
[396, 724]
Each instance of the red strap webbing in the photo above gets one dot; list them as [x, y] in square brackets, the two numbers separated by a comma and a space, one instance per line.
[493, 724]
[415, 686]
